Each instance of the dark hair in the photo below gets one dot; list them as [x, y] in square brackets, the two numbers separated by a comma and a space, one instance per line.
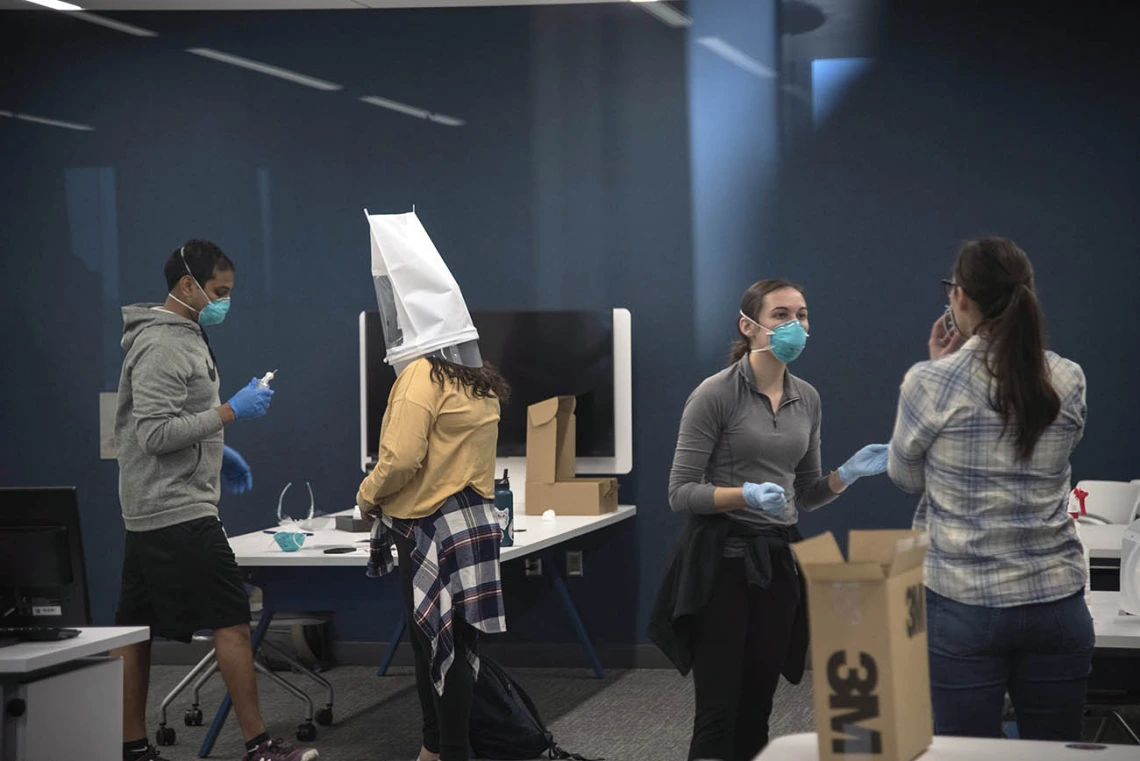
[479, 382]
[997, 275]
[751, 304]
[203, 258]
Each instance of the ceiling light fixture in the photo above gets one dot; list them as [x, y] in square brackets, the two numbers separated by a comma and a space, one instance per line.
[664, 13]
[418, 113]
[264, 68]
[83, 15]
[46, 121]
[118, 26]
[56, 5]
[447, 121]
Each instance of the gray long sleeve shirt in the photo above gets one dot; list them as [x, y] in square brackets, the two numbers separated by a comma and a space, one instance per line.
[167, 432]
[729, 435]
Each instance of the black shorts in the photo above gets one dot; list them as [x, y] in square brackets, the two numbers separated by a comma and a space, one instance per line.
[181, 579]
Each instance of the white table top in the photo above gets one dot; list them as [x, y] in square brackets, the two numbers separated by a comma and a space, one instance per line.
[532, 534]
[26, 657]
[1113, 629]
[1103, 541]
[805, 747]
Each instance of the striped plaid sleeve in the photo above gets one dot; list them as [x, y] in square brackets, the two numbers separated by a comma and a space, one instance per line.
[915, 429]
[1075, 403]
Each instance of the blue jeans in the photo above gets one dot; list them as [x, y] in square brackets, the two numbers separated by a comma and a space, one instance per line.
[1040, 654]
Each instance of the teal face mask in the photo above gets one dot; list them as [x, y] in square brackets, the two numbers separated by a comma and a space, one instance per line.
[786, 341]
[215, 311]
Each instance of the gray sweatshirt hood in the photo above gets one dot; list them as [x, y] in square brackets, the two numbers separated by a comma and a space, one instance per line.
[138, 318]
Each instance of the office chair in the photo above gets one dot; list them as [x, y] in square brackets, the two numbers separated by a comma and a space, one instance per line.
[205, 669]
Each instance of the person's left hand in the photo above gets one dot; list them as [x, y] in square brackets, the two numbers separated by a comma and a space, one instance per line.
[871, 460]
[236, 475]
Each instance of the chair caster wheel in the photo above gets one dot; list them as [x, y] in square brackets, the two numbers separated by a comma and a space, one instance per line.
[306, 733]
[165, 736]
[325, 717]
[193, 717]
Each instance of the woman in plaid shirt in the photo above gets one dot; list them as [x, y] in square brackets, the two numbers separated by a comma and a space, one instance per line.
[432, 489]
[984, 432]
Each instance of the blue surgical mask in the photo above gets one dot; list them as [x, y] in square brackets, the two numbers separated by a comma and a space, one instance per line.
[786, 341]
[215, 311]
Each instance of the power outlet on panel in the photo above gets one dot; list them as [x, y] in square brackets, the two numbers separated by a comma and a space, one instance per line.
[574, 563]
[533, 566]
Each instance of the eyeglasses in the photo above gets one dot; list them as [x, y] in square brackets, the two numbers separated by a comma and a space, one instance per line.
[948, 286]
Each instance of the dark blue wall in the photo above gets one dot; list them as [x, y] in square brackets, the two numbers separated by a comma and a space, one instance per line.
[995, 120]
[568, 187]
[735, 128]
[572, 185]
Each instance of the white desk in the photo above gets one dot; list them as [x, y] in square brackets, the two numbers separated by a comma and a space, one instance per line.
[1103, 541]
[1116, 659]
[1113, 630]
[288, 578]
[59, 702]
[532, 535]
[27, 657]
[805, 747]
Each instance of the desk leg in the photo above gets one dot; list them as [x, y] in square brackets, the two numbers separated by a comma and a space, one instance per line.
[223, 711]
[572, 612]
[393, 643]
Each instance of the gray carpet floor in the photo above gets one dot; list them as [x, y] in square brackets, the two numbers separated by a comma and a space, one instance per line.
[643, 715]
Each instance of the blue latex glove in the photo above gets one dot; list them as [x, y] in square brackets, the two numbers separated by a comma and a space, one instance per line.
[251, 402]
[236, 476]
[767, 496]
[871, 460]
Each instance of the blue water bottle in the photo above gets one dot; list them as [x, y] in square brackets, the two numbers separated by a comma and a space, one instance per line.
[505, 503]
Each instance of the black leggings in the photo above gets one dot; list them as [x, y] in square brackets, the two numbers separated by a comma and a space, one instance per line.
[447, 716]
[740, 645]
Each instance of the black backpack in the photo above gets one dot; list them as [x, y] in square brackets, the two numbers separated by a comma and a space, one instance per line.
[505, 725]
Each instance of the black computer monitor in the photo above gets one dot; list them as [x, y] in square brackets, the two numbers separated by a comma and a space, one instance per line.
[541, 354]
[43, 578]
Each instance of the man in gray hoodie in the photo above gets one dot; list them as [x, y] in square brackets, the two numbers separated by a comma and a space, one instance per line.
[179, 573]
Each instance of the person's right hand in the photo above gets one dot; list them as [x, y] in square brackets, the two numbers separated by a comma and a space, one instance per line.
[251, 402]
[944, 339]
[767, 496]
[367, 512]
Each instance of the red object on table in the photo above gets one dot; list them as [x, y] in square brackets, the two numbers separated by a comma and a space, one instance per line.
[1080, 494]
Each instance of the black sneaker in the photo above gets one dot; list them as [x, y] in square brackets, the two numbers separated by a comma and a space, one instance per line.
[275, 750]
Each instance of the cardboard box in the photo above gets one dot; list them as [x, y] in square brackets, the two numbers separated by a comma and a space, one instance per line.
[870, 667]
[550, 462]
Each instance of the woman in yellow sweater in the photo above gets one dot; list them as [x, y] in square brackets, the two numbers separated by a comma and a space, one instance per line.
[433, 486]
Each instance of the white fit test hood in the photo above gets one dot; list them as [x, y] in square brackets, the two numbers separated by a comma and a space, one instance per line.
[422, 310]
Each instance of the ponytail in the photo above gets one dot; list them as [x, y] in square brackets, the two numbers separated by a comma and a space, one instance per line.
[738, 350]
[997, 275]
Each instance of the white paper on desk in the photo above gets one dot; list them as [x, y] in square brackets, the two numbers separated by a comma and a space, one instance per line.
[429, 308]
